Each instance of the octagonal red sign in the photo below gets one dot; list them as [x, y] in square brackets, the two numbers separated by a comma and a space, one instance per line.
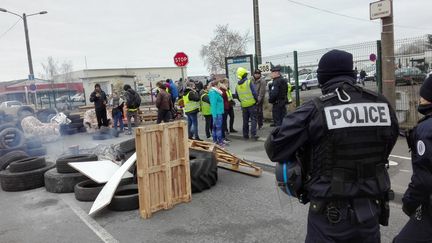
[181, 59]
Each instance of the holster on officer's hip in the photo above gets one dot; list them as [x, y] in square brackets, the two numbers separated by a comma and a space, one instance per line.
[385, 213]
[385, 208]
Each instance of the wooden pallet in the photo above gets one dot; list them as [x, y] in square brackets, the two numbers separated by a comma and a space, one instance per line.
[227, 160]
[162, 166]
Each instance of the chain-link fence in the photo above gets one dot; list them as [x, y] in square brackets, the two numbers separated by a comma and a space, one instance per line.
[413, 60]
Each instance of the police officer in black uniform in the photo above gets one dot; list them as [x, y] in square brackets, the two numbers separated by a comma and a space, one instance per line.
[345, 137]
[417, 198]
[278, 95]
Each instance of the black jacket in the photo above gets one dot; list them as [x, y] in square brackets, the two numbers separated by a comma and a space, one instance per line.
[304, 129]
[278, 92]
[99, 101]
[420, 188]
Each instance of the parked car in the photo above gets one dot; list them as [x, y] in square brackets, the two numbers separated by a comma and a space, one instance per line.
[143, 90]
[63, 98]
[409, 75]
[77, 97]
[307, 81]
[11, 107]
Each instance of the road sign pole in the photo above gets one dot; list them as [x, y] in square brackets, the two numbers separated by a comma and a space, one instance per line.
[379, 67]
[297, 90]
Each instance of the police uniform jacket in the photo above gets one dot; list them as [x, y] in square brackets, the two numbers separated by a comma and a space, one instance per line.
[304, 128]
[420, 188]
[278, 92]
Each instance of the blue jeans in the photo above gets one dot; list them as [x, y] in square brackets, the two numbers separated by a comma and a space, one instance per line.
[217, 129]
[193, 125]
[118, 119]
[249, 113]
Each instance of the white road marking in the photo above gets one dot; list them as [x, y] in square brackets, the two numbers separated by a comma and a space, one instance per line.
[91, 223]
[408, 171]
[400, 157]
[393, 163]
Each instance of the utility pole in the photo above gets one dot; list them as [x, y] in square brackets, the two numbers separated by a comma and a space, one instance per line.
[29, 57]
[257, 35]
[388, 59]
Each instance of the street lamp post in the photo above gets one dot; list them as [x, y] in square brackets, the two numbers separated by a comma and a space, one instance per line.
[29, 57]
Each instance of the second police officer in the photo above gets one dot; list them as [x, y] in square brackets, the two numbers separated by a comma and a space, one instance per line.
[346, 136]
[278, 95]
[417, 199]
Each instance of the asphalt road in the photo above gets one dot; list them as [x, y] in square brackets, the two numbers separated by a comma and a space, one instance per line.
[238, 209]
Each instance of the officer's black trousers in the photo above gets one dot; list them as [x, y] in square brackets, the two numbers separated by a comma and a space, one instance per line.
[320, 230]
[278, 112]
[416, 231]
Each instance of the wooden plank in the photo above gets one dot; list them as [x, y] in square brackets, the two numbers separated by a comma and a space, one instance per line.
[226, 159]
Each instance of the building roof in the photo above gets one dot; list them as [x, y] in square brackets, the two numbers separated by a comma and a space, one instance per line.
[111, 76]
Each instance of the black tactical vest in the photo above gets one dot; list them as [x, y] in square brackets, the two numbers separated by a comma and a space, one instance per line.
[350, 161]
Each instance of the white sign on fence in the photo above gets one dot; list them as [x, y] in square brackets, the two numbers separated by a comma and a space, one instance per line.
[265, 68]
[380, 9]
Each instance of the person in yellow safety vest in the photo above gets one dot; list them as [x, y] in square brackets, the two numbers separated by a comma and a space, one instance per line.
[245, 92]
[206, 111]
[289, 92]
[230, 113]
[192, 106]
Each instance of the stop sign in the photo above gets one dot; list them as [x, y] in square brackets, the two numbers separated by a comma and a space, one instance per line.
[181, 59]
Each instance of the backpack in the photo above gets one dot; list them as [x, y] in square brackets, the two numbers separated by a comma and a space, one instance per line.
[135, 100]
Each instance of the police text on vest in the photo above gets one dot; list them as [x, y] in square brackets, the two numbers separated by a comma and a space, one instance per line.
[357, 115]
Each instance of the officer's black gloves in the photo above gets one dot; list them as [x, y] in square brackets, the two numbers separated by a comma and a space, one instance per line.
[408, 209]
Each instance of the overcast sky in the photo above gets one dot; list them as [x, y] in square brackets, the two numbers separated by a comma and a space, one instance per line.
[138, 33]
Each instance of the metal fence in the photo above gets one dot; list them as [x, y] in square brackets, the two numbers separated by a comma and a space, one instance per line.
[413, 60]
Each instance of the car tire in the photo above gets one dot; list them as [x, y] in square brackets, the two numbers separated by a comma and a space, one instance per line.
[10, 157]
[127, 146]
[44, 115]
[5, 151]
[62, 183]
[22, 181]
[71, 131]
[27, 164]
[87, 191]
[303, 87]
[101, 136]
[62, 162]
[42, 151]
[125, 198]
[25, 111]
[17, 141]
[203, 170]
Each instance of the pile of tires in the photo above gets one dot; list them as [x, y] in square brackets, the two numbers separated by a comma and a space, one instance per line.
[203, 170]
[63, 178]
[22, 172]
[75, 126]
[105, 133]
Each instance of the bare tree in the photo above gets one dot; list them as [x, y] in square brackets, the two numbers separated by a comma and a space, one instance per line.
[50, 68]
[225, 43]
[66, 68]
